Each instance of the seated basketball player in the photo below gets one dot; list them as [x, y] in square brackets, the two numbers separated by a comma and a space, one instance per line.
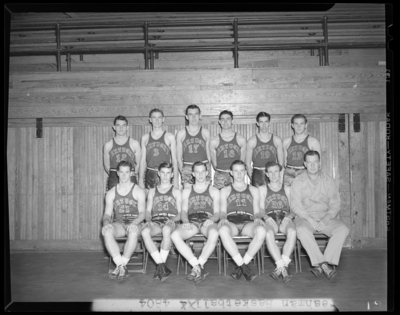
[240, 215]
[200, 212]
[275, 202]
[127, 200]
[162, 215]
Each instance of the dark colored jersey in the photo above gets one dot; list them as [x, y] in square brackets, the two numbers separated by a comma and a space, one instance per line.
[200, 202]
[276, 200]
[125, 207]
[194, 147]
[120, 153]
[157, 151]
[227, 153]
[164, 205]
[240, 202]
[296, 151]
[264, 152]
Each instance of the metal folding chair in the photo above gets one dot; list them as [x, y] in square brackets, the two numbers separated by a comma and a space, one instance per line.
[141, 251]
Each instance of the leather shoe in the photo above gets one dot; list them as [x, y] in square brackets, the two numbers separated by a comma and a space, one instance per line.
[237, 273]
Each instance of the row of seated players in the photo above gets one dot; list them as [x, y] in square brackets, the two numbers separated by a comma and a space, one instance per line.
[310, 204]
[194, 143]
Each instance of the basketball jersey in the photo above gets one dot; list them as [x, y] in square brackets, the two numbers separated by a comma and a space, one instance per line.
[120, 153]
[227, 153]
[164, 204]
[240, 201]
[264, 152]
[276, 200]
[125, 207]
[296, 152]
[157, 151]
[200, 202]
[194, 147]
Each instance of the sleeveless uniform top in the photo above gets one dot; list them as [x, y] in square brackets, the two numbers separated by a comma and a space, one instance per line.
[264, 152]
[241, 202]
[276, 200]
[194, 147]
[120, 153]
[125, 207]
[296, 152]
[164, 204]
[227, 152]
[200, 202]
[157, 151]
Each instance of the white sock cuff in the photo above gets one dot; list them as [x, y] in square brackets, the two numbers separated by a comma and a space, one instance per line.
[125, 260]
[157, 257]
[193, 262]
[117, 260]
[280, 263]
[164, 254]
[286, 259]
[202, 261]
[238, 260]
[247, 258]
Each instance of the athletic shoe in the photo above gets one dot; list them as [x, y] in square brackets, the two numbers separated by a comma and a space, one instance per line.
[247, 273]
[193, 274]
[237, 273]
[164, 272]
[123, 273]
[201, 276]
[114, 274]
[329, 273]
[157, 273]
[276, 273]
[286, 276]
[317, 271]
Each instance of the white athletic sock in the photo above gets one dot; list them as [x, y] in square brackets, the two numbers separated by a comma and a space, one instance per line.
[164, 254]
[280, 263]
[157, 257]
[117, 260]
[125, 260]
[247, 258]
[286, 259]
[238, 260]
[202, 261]
[193, 262]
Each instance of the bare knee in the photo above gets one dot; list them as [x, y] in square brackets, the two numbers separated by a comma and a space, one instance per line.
[260, 232]
[291, 232]
[270, 235]
[212, 234]
[224, 231]
[166, 231]
[175, 235]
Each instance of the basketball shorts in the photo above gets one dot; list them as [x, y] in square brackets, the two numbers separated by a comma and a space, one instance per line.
[240, 219]
[290, 174]
[222, 179]
[277, 215]
[258, 178]
[161, 218]
[151, 178]
[198, 218]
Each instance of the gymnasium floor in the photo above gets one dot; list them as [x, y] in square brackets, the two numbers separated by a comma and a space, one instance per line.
[361, 283]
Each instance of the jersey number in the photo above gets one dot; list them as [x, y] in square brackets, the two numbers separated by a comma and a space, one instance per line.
[265, 154]
[297, 156]
[121, 157]
[241, 203]
[163, 206]
[231, 154]
[193, 148]
[156, 152]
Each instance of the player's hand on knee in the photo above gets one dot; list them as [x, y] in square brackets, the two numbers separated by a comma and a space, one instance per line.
[170, 223]
[186, 226]
[107, 229]
[259, 221]
[320, 226]
[222, 222]
[271, 222]
[285, 222]
[208, 222]
[132, 228]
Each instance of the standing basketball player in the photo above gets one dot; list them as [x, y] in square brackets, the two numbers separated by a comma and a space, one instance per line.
[127, 201]
[295, 147]
[240, 215]
[200, 212]
[227, 147]
[120, 148]
[162, 215]
[262, 148]
[158, 146]
[192, 145]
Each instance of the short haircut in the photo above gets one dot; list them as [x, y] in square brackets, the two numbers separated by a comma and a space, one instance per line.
[120, 117]
[165, 165]
[263, 114]
[298, 116]
[197, 164]
[193, 106]
[271, 164]
[156, 110]
[124, 163]
[225, 112]
[237, 162]
[311, 153]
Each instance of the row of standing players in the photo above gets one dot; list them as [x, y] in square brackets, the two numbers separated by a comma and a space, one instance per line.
[229, 208]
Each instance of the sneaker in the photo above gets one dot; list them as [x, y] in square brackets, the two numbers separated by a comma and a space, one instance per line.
[237, 273]
[329, 273]
[164, 272]
[193, 274]
[247, 273]
[276, 273]
[114, 274]
[317, 271]
[157, 273]
[286, 276]
[201, 276]
[123, 273]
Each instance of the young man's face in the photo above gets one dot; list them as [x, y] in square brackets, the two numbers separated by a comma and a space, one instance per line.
[263, 123]
[225, 121]
[124, 174]
[299, 125]
[165, 175]
[238, 172]
[121, 127]
[312, 164]
[193, 115]
[200, 173]
[273, 173]
[156, 119]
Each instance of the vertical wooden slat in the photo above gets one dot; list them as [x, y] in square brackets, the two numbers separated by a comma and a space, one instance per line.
[371, 179]
[12, 172]
[76, 226]
[22, 185]
[35, 175]
[382, 178]
[46, 182]
[64, 187]
[29, 189]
